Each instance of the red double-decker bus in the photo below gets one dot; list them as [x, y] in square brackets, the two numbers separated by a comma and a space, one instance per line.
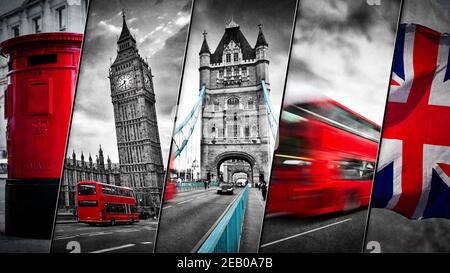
[325, 159]
[171, 190]
[99, 203]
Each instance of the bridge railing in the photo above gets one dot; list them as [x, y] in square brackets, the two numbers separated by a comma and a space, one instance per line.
[225, 236]
[194, 185]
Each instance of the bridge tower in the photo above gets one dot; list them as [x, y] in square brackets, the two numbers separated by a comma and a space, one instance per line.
[234, 113]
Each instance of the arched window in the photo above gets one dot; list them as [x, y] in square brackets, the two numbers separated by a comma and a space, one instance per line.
[216, 106]
[244, 71]
[236, 57]
[213, 131]
[235, 71]
[236, 126]
[228, 57]
[233, 103]
[250, 103]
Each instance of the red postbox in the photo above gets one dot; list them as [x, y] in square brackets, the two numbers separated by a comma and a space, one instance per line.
[38, 105]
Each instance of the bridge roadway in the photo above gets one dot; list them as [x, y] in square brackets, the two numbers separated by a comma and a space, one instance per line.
[190, 215]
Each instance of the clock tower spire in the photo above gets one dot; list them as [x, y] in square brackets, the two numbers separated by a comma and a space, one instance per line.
[138, 141]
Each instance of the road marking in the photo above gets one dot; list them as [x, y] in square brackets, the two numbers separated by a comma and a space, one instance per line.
[99, 233]
[166, 207]
[112, 248]
[65, 237]
[185, 201]
[127, 230]
[146, 243]
[306, 232]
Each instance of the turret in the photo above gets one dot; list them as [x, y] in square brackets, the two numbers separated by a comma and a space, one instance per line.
[101, 159]
[82, 160]
[205, 61]
[74, 158]
[261, 48]
[90, 161]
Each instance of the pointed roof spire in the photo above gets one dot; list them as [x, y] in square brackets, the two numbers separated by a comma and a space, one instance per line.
[261, 41]
[205, 47]
[125, 33]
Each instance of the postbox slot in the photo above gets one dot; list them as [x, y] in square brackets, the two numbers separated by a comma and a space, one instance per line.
[42, 59]
[39, 97]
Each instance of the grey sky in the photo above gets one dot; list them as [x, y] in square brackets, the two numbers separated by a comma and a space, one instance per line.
[343, 49]
[160, 28]
[213, 15]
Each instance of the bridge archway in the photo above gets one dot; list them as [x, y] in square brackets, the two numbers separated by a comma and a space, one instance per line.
[234, 176]
[251, 167]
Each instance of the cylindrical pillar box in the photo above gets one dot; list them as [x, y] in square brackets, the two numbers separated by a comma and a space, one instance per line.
[38, 104]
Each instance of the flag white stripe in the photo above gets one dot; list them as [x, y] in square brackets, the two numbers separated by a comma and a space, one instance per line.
[401, 93]
[391, 151]
[440, 90]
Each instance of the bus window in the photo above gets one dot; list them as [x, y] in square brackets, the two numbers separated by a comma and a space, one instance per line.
[86, 189]
[108, 190]
[88, 203]
[355, 122]
[115, 208]
[290, 117]
[355, 169]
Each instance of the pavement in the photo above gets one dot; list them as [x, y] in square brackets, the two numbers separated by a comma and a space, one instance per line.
[187, 217]
[330, 233]
[254, 215]
[11, 244]
[121, 238]
[395, 233]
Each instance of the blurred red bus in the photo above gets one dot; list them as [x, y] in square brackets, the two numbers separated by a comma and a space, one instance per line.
[325, 160]
[99, 203]
[171, 190]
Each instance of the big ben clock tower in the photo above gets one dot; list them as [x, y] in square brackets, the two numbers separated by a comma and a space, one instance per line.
[137, 134]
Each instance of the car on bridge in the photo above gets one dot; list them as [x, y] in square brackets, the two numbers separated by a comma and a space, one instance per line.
[241, 182]
[225, 187]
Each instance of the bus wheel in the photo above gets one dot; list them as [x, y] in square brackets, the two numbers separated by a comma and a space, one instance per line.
[113, 222]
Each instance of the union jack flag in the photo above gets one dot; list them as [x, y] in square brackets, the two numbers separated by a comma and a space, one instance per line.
[413, 174]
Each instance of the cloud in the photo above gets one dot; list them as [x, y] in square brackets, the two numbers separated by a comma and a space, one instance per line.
[131, 20]
[110, 27]
[93, 118]
[182, 20]
[343, 50]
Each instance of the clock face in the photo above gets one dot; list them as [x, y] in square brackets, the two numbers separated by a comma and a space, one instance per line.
[125, 81]
[147, 80]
